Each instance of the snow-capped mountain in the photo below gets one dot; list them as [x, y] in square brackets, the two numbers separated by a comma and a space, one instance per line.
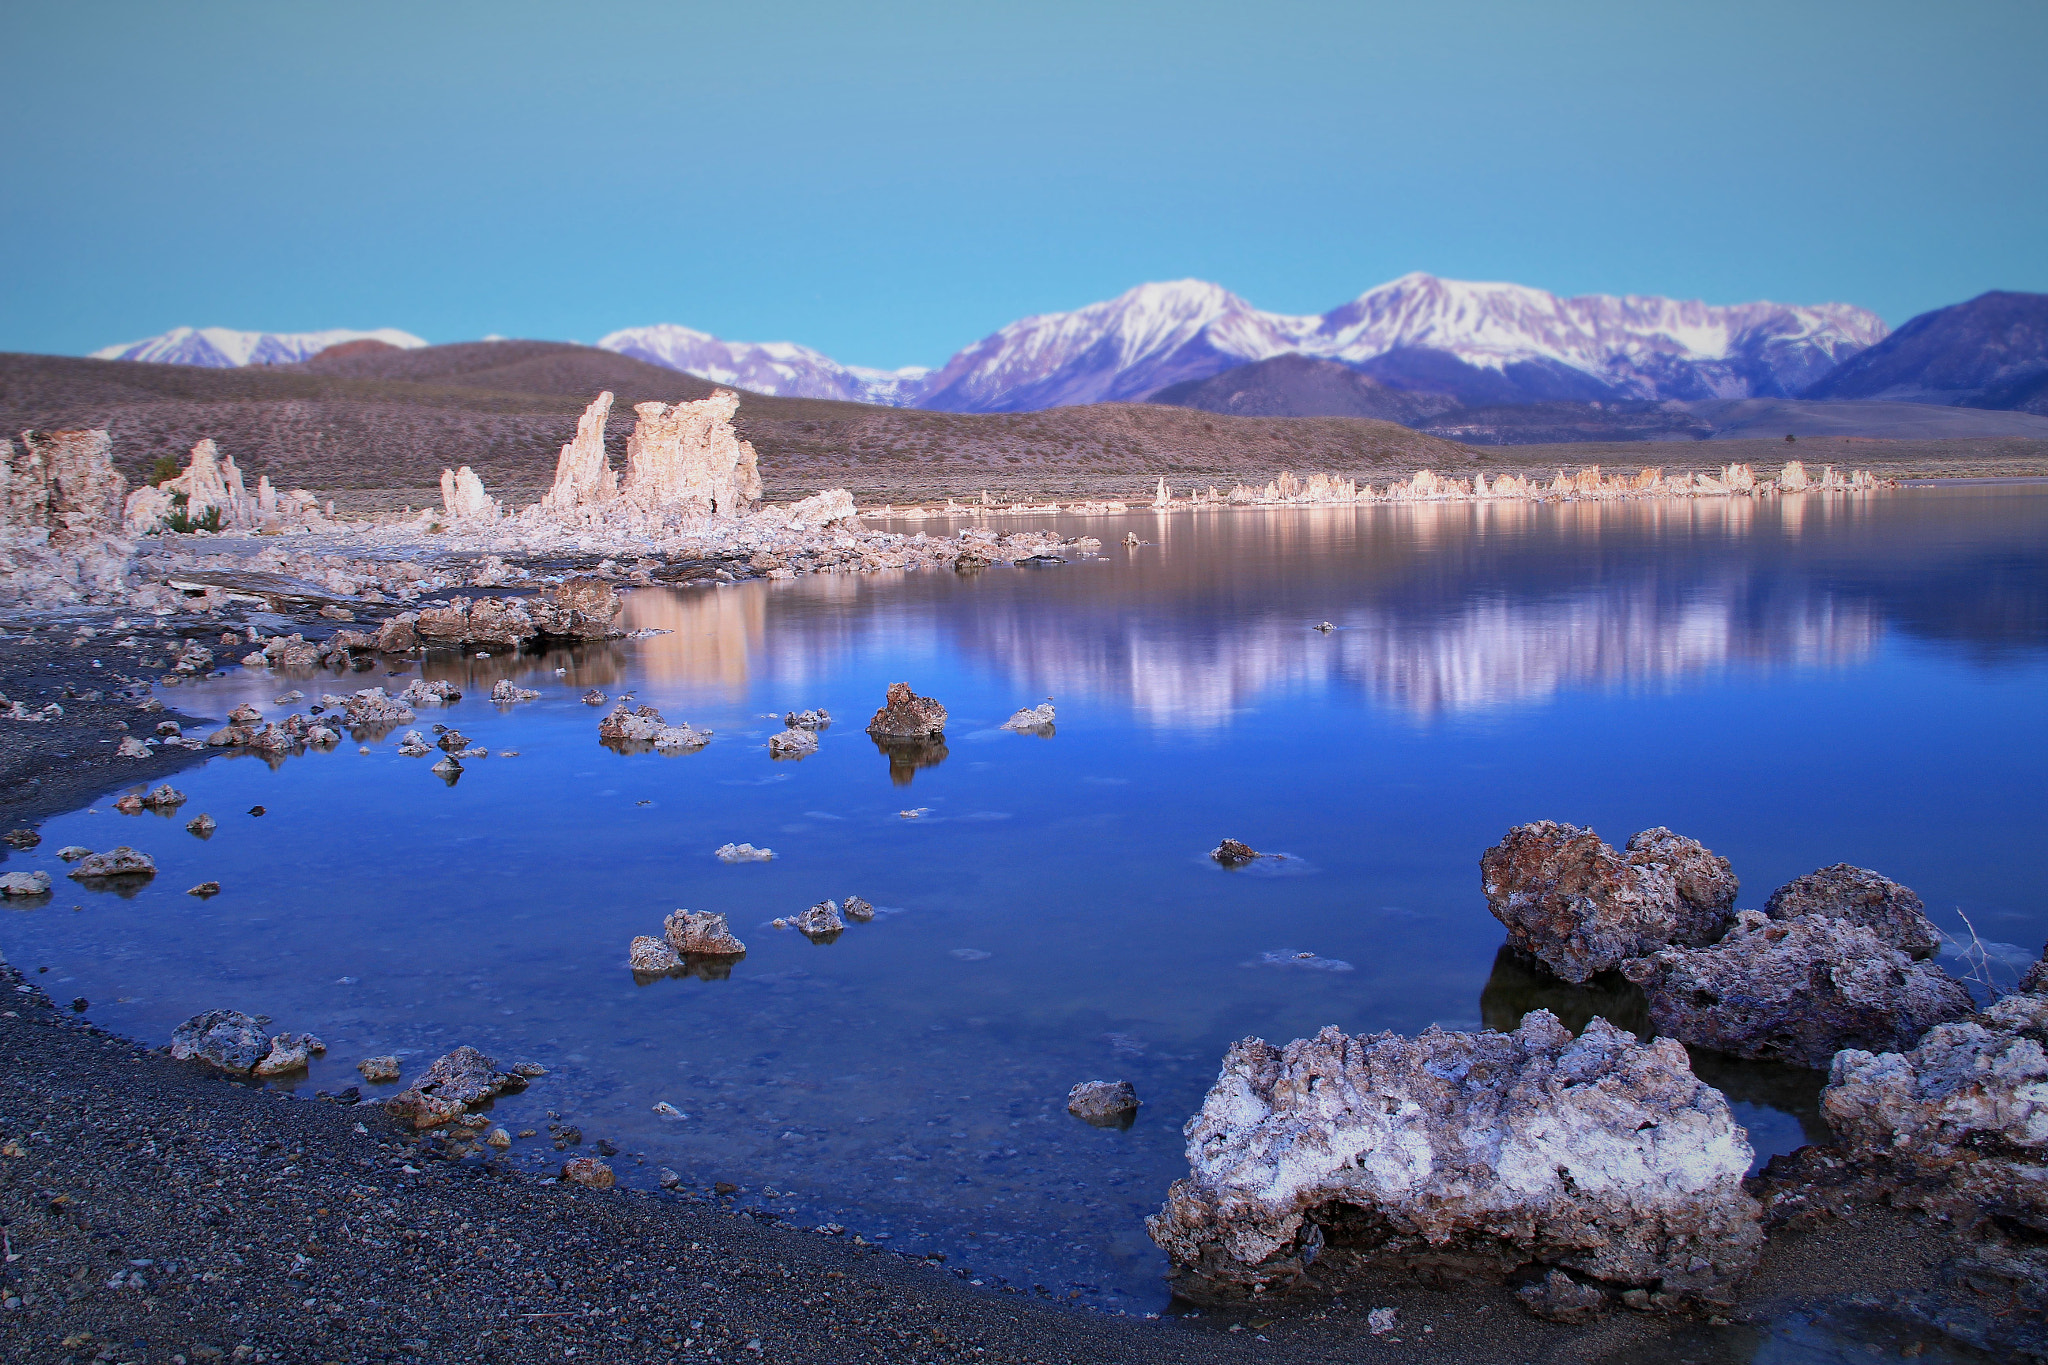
[1484, 342]
[782, 368]
[225, 348]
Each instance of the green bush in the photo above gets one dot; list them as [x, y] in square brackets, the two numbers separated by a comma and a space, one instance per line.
[183, 523]
[165, 469]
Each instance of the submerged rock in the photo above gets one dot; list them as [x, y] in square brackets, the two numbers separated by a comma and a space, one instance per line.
[1457, 1154]
[1580, 907]
[370, 707]
[201, 824]
[1796, 991]
[119, 862]
[652, 956]
[821, 921]
[1032, 720]
[462, 1078]
[701, 933]
[420, 692]
[378, 1069]
[793, 743]
[820, 719]
[414, 745]
[594, 698]
[1106, 1104]
[505, 691]
[35, 883]
[1856, 894]
[1234, 853]
[905, 715]
[645, 726]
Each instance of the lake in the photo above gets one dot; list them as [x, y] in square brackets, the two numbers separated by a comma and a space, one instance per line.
[1796, 682]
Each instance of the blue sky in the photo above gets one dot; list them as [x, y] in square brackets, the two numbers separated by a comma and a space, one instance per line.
[888, 182]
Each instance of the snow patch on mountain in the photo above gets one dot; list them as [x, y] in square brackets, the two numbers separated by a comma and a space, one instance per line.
[781, 368]
[226, 348]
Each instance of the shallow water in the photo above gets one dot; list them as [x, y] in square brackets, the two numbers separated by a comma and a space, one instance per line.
[1796, 682]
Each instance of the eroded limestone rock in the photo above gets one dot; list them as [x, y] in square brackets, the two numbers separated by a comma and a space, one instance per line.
[505, 692]
[378, 1069]
[1463, 1153]
[652, 956]
[1234, 853]
[645, 726]
[1967, 1105]
[1856, 894]
[463, 499]
[118, 862]
[905, 715]
[584, 481]
[1106, 1104]
[819, 719]
[1580, 907]
[686, 459]
[289, 1052]
[793, 743]
[1032, 720]
[452, 1085]
[821, 921]
[1796, 991]
[36, 883]
[743, 853]
[701, 933]
[580, 608]
[857, 910]
[227, 1040]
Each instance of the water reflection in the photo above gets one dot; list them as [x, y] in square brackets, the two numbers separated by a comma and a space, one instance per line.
[907, 756]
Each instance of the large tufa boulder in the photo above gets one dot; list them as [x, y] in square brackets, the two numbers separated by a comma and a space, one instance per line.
[234, 1042]
[1463, 1154]
[462, 1079]
[1581, 907]
[1968, 1105]
[1796, 991]
[478, 621]
[1856, 894]
[64, 485]
[905, 715]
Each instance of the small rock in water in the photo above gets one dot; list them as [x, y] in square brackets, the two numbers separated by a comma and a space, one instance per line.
[453, 741]
[504, 691]
[743, 853]
[21, 838]
[857, 910]
[498, 1138]
[652, 956]
[701, 933]
[256, 810]
[905, 715]
[205, 889]
[118, 862]
[593, 697]
[793, 744]
[378, 1068]
[1032, 719]
[1103, 1103]
[821, 921]
[1325, 627]
[35, 883]
[668, 1111]
[818, 719]
[289, 1052]
[290, 697]
[201, 824]
[668, 1179]
[71, 853]
[227, 1040]
[447, 769]
[1233, 853]
[414, 745]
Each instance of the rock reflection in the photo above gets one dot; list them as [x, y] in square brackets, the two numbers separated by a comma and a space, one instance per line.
[1790, 1090]
[693, 965]
[906, 756]
[1520, 984]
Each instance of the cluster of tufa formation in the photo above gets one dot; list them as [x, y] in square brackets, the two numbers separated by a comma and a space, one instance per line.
[211, 496]
[686, 935]
[1473, 1154]
[1592, 482]
[239, 1044]
[454, 1085]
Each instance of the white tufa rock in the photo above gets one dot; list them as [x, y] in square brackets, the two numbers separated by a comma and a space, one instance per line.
[1476, 1153]
[463, 499]
[584, 481]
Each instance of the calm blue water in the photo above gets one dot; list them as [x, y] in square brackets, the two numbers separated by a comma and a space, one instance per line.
[1796, 683]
